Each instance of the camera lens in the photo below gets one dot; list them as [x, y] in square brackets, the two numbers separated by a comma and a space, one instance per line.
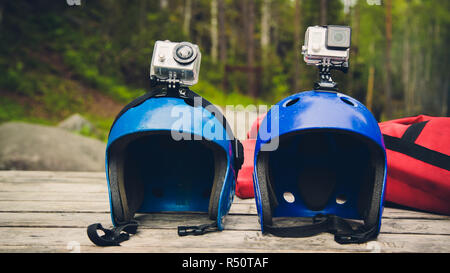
[184, 53]
[338, 37]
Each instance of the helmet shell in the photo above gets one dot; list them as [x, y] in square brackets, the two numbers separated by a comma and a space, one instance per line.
[331, 119]
[162, 115]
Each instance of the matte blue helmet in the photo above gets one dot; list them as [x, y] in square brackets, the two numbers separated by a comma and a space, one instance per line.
[320, 155]
[165, 153]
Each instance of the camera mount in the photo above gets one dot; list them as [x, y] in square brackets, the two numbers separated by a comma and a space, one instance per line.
[325, 81]
[172, 82]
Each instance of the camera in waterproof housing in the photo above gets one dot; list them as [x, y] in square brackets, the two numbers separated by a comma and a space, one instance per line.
[175, 63]
[327, 47]
[327, 44]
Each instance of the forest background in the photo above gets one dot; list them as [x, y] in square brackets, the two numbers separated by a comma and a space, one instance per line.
[92, 57]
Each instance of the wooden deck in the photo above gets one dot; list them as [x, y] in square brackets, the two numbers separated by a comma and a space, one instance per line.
[49, 212]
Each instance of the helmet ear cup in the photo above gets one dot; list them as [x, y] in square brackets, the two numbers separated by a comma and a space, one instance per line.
[370, 196]
[115, 173]
[127, 197]
[220, 171]
[134, 187]
[116, 176]
[268, 198]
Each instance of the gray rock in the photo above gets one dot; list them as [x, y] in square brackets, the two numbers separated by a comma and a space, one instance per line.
[26, 146]
[76, 123]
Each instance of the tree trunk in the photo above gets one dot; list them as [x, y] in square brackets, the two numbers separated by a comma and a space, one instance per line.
[187, 17]
[163, 4]
[265, 30]
[142, 20]
[1, 13]
[248, 10]
[214, 32]
[369, 96]
[323, 12]
[276, 26]
[297, 55]
[388, 67]
[222, 34]
[355, 23]
[406, 69]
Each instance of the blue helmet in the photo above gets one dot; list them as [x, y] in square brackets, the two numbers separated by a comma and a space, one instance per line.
[165, 153]
[325, 161]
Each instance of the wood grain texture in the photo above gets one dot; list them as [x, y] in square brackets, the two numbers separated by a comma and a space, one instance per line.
[172, 220]
[167, 240]
[49, 212]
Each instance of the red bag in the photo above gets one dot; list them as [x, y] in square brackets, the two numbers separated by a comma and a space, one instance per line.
[418, 160]
[244, 182]
[418, 150]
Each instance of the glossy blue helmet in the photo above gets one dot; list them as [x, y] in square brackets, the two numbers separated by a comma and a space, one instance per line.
[165, 153]
[320, 155]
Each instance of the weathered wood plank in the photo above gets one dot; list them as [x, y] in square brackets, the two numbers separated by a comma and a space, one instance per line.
[51, 187]
[45, 203]
[415, 226]
[60, 186]
[138, 249]
[164, 240]
[172, 220]
[77, 193]
[72, 196]
[76, 206]
[98, 202]
[395, 213]
[92, 206]
[53, 206]
[55, 196]
[68, 180]
[50, 174]
[44, 211]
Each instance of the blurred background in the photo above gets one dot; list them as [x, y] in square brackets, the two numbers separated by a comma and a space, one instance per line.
[59, 58]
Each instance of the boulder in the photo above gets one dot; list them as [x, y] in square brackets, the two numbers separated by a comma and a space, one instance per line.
[76, 123]
[26, 146]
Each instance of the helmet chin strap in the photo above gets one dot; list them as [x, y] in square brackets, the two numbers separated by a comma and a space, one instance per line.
[197, 230]
[342, 229]
[112, 237]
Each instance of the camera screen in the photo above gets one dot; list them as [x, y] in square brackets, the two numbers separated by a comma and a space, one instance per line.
[338, 37]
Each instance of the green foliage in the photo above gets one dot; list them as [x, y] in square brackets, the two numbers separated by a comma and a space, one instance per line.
[218, 97]
[91, 76]
[52, 55]
[10, 110]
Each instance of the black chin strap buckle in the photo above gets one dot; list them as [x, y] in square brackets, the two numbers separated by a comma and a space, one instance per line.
[196, 230]
[362, 235]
